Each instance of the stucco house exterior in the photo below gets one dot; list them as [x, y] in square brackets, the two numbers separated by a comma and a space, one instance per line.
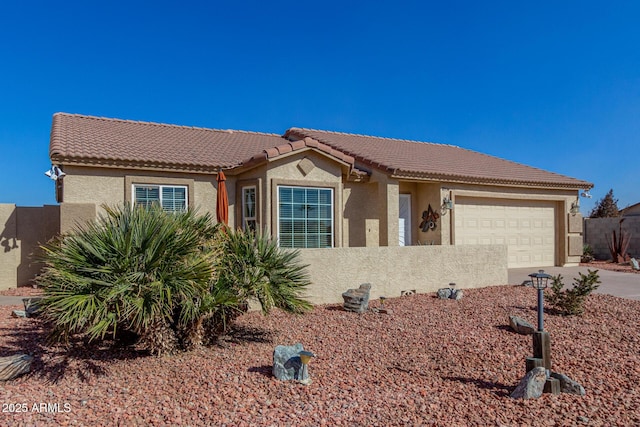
[321, 189]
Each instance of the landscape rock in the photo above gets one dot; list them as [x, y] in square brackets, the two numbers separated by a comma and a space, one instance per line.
[13, 366]
[357, 300]
[31, 306]
[567, 385]
[634, 264]
[447, 293]
[287, 364]
[532, 385]
[520, 325]
[444, 293]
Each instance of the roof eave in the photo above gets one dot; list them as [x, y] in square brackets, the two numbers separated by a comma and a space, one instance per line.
[150, 166]
[459, 179]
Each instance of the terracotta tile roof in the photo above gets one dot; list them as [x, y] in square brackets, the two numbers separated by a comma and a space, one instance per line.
[404, 158]
[97, 140]
[300, 144]
[87, 140]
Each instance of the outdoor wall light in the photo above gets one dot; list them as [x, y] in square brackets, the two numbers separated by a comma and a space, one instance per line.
[540, 281]
[575, 208]
[447, 205]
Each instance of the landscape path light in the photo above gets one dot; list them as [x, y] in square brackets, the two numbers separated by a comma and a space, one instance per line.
[305, 358]
[540, 281]
[541, 339]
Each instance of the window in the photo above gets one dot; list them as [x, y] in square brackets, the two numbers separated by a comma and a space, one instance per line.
[305, 217]
[171, 198]
[249, 221]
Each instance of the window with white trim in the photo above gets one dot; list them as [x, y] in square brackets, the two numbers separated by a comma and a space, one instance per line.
[305, 217]
[249, 219]
[172, 198]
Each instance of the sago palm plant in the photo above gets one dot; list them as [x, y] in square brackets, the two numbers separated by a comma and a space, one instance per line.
[133, 269]
[254, 267]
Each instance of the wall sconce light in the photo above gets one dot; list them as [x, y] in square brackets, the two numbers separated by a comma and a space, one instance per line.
[575, 208]
[447, 205]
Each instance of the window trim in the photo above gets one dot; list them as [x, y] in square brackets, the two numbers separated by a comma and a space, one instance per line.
[245, 218]
[160, 188]
[131, 180]
[332, 191]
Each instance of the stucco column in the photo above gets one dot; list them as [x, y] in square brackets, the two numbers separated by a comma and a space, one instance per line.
[388, 197]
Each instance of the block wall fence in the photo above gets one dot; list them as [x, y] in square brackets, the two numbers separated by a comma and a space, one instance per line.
[598, 230]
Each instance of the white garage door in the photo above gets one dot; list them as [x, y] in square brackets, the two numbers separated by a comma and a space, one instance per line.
[526, 227]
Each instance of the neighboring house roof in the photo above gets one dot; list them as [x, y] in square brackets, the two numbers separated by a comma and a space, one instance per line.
[412, 159]
[97, 141]
[632, 210]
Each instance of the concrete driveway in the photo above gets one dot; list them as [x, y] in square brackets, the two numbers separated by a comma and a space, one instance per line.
[624, 285]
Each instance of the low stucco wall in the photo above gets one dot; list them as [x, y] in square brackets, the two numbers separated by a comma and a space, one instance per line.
[391, 270]
[598, 230]
[22, 230]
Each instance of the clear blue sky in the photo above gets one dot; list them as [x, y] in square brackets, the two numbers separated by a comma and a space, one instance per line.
[555, 85]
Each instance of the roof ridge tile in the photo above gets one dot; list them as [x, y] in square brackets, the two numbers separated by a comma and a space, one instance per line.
[293, 129]
[168, 125]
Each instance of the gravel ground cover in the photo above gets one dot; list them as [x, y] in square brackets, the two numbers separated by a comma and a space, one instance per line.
[608, 265]
[429, 362]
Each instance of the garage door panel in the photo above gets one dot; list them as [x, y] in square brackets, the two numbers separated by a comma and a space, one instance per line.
[526, 227]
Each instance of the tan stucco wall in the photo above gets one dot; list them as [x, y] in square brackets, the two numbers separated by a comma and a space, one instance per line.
[361, 226]
[366, 213]
[113, 186]
[23, 230]
[9, 247]
[73, 215]
[392, 270]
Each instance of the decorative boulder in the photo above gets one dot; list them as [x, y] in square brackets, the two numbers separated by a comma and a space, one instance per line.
[567, 385]
[447, 293]
[287, 364]
[357, 300]
[13, 366]
[520, 325]
[634, 264]
[31, 306]
[532, 385]
[444, 293]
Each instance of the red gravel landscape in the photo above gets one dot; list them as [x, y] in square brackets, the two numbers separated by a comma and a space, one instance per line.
[429, 362]
[608, 265]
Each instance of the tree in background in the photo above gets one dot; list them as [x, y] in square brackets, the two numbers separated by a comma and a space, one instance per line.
[607, 207]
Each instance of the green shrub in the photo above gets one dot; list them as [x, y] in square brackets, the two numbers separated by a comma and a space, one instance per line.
[571, 301]
[133, 270]
[171, 280]
[254, 267]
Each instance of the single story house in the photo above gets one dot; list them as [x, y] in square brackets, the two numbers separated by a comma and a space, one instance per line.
[322, 189]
